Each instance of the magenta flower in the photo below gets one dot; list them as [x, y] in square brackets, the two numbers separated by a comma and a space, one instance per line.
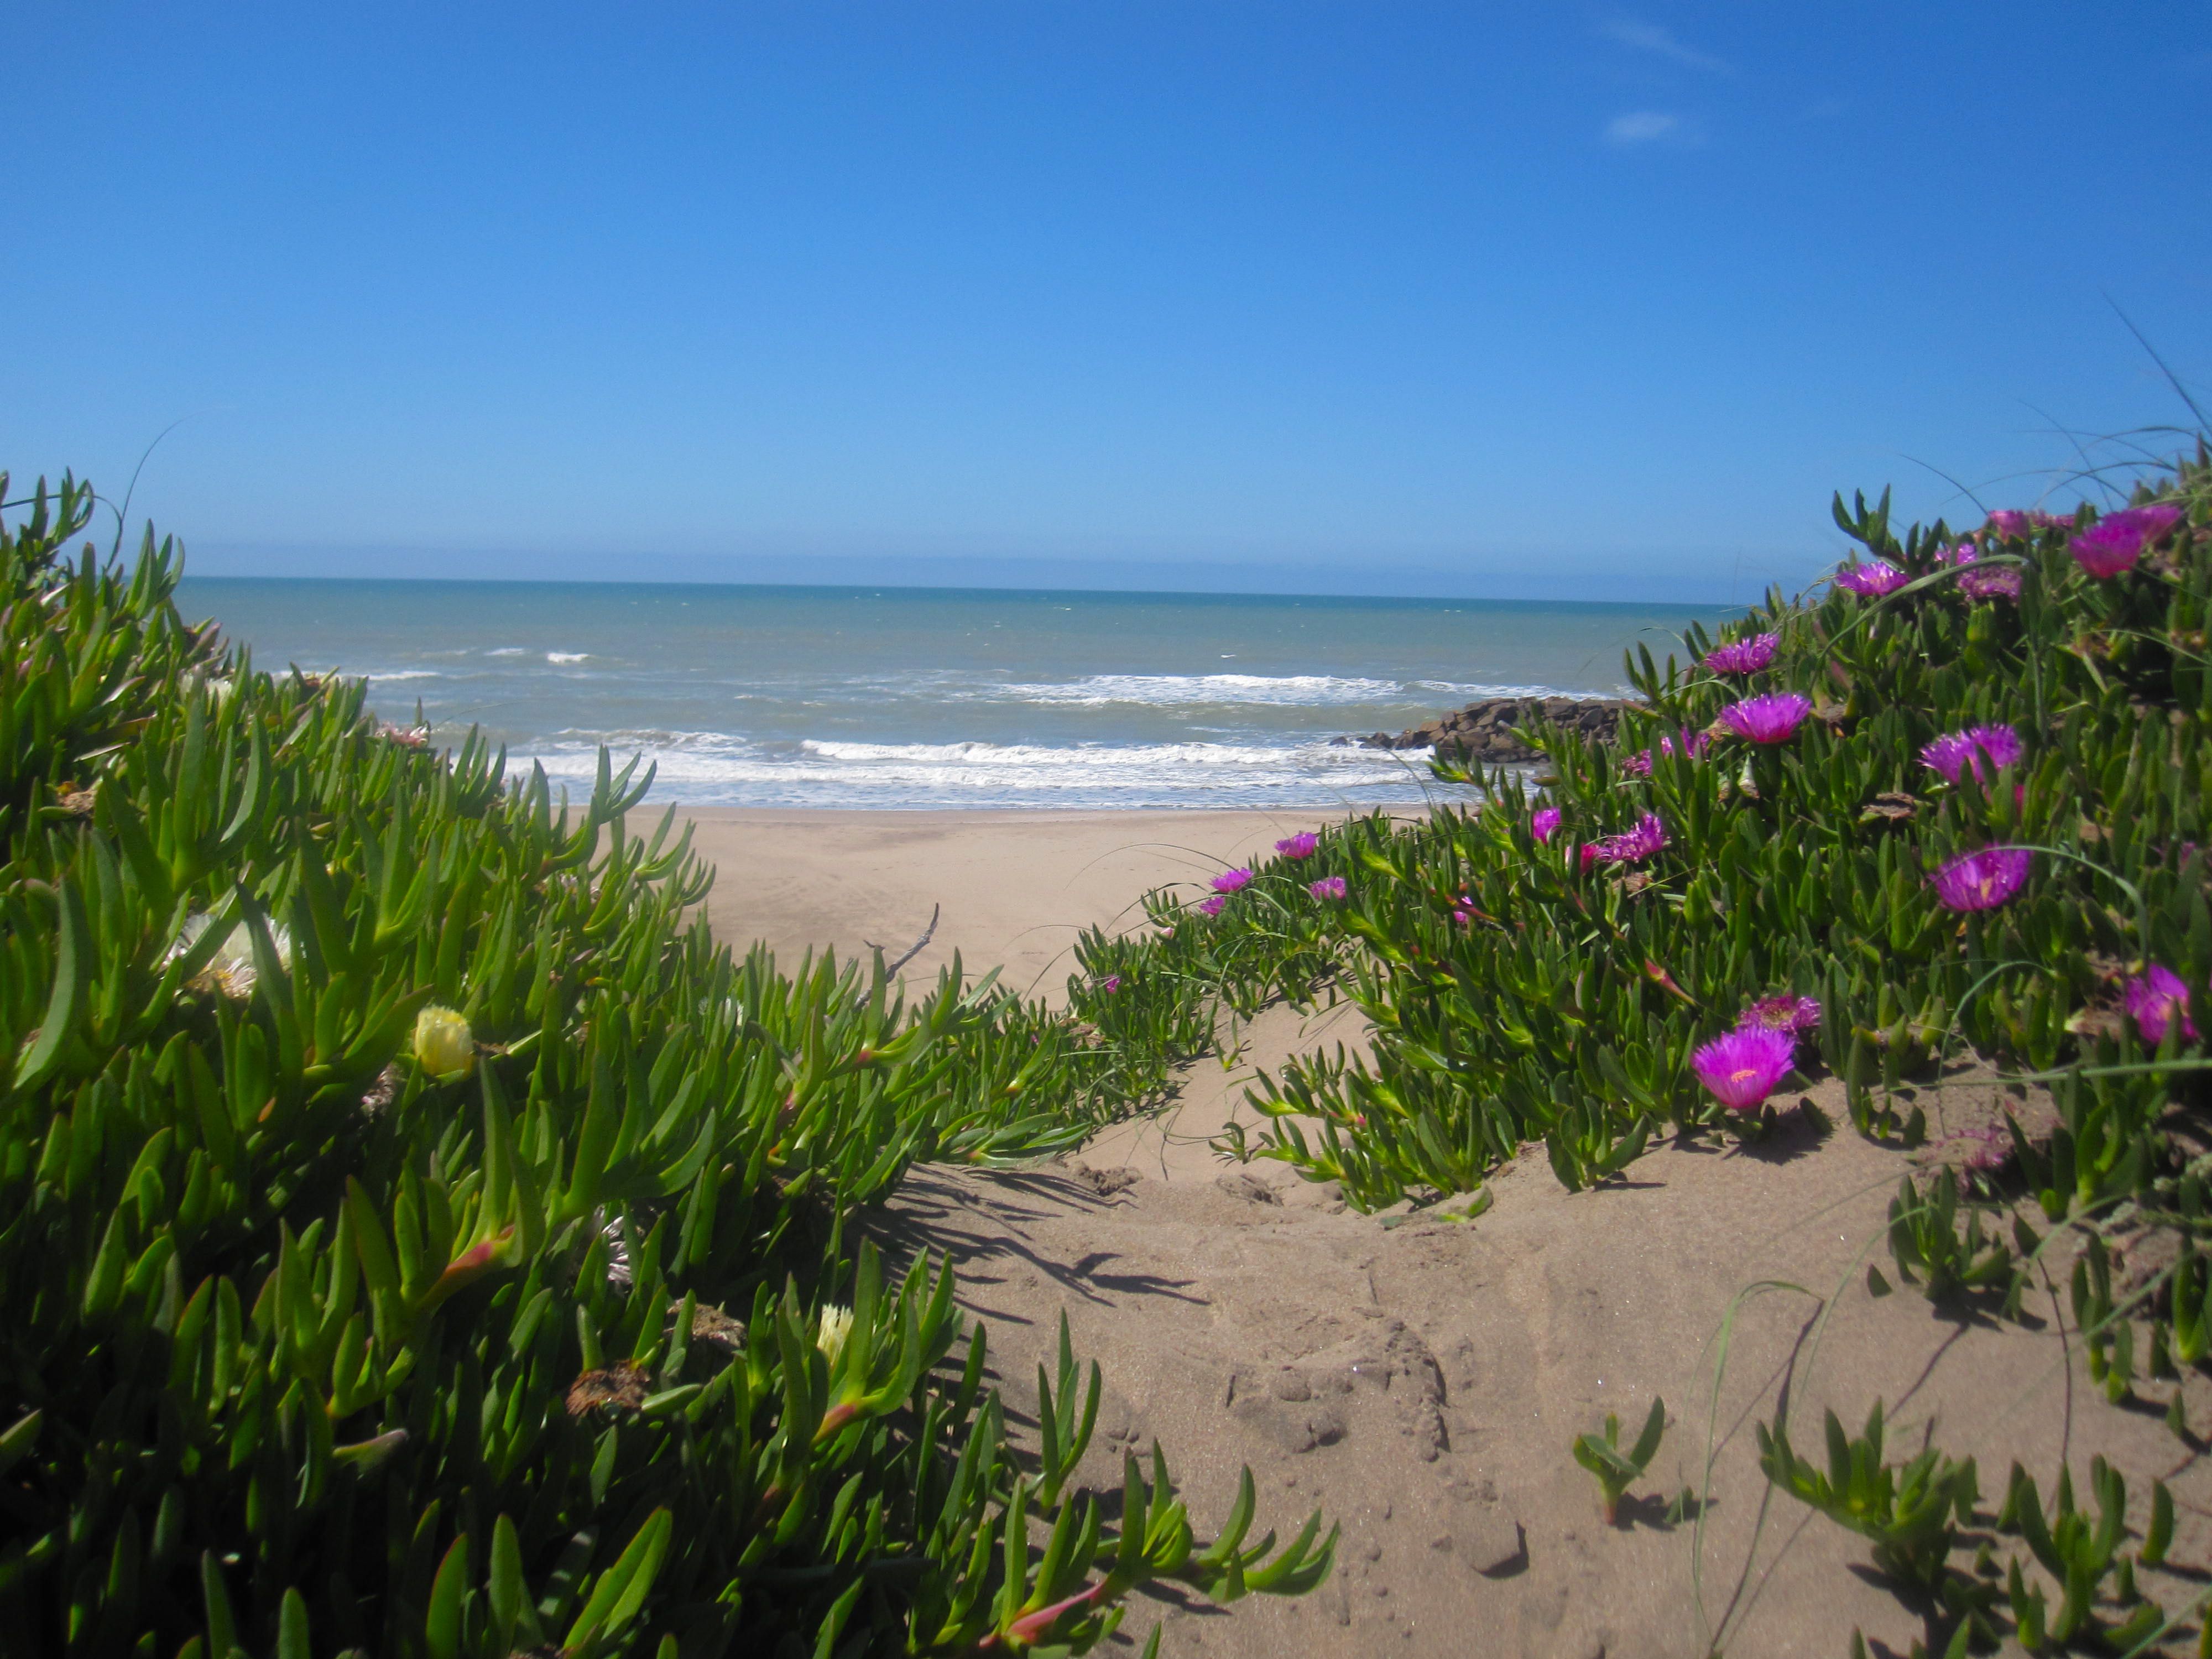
[1231, 881]
[1329, 887]
[1773, 718]
[1872, 580]
[1300, 846]
[1587, 854]
[1544, 822]
[1783, 1013]
[1464, 918]
[1965, 553]
[1694, 745]
[1741, 1068]
[1631, 846]
[2111, 545]
[1983, 880]
[1743, 656]
[2155, 1000]
[1110, 984]
[1999, 582]
[2010, 521]
[1954, 752]
[1212, 907]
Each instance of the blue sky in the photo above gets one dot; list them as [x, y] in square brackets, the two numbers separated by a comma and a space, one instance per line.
[1520, 300]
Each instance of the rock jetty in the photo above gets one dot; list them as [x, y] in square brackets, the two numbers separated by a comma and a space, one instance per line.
[1483, 731]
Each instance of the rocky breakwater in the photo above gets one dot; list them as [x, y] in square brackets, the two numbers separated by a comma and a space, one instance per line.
[1485, 730]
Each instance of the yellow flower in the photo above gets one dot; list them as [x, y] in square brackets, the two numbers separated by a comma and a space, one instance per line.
[443, 1042]
[836, 1326]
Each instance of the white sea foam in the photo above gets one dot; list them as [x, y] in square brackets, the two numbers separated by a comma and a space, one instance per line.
[705, 767]
[382, 677]
[1278, 690]
[509, 651]
[566, 656]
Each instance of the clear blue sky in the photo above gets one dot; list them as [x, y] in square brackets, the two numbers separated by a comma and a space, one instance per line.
[1517, 299]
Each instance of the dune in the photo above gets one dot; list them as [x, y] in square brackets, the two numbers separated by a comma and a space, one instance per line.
[1420, 1378]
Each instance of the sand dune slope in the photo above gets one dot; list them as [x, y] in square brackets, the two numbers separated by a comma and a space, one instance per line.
[1422, 1380]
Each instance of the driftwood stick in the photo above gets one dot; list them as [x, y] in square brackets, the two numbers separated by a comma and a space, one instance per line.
[915, 949]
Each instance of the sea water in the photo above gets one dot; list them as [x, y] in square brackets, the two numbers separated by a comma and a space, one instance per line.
[905, 697]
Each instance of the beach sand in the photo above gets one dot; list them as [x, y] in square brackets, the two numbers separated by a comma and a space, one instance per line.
[1422, 1379]
[1016, 889]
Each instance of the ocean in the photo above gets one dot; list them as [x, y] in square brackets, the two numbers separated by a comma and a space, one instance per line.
[932, 698]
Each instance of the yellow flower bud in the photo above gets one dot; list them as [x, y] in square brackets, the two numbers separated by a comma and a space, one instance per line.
[443, 1042]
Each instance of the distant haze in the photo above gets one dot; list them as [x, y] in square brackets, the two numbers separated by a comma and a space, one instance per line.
[1416, 298]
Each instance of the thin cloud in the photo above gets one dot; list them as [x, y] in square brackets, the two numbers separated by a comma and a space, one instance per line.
[1660, 43]
[1642, 126]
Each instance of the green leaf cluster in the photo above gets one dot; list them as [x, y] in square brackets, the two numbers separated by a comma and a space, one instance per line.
[567, 1341]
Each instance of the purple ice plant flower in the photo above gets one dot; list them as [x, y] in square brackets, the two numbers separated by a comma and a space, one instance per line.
[1872, 580]
[1998, 582]
[1983, 880]
[1773, 718]
[1300, 846]
[1743, 656]
[2010, 521]
[2110, 546]
[1544, 822]
[1110, 984]
[1742, 1068]
[2155, 1000]
[1212, 907]
[1231, 881]
[1329, 887]
[1954, 752]
[1631, 846]
[1782, 1013]
[1693, 744]
[1985, 1148]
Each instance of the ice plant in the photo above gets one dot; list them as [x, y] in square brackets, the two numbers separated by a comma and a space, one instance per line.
[2010, 521]
[1983, 880]
[1954, 752]
[1872, 580]
[443, 1042]
[2155, 1000]
[1212, 907]
[1329, 887]
[1110, 984]
[836, 1326]
[1693, 744]
[1782, 1013]
[2110, 546]
[1300, 846]
[1545, 820]
[1231, 881]
[1631, 846]
[1773, 718]
[1742, 1068]
[1996, 582]
[1743, 656]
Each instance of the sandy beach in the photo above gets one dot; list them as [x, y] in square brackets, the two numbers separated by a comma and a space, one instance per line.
[1016, 889]
[1422, 1379]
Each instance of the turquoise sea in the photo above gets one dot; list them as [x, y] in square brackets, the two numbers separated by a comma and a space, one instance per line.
[906, 697]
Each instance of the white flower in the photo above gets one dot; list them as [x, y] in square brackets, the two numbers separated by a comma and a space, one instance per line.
[231, 971]
[836, 1326]
[444, 1044]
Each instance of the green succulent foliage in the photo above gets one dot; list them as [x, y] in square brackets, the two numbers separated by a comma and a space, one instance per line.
[1949, 1261]
[1911, 1511]
[2082, 1552]
[1614, 1469]
[307, 1347]
[1518, 994]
